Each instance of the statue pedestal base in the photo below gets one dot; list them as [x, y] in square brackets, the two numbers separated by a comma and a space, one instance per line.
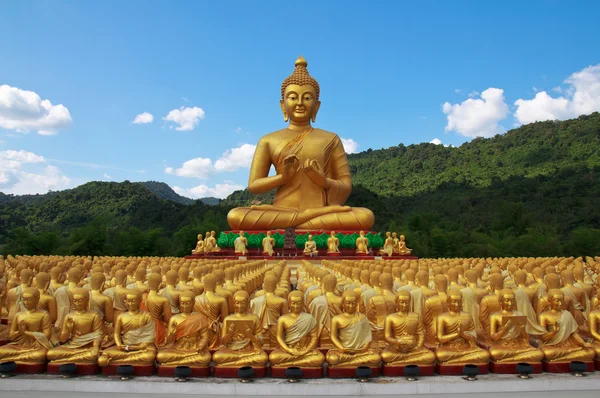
[232, 373]
[138, 370]
[307, 373]
[30, 368]
[83, 369]
[348, 373]
[395, 371]
[511, 368]
[334, 254]
[457, 369]
[169, 371]
[563, 367]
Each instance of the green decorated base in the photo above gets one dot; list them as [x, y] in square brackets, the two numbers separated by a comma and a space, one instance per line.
[347, 238]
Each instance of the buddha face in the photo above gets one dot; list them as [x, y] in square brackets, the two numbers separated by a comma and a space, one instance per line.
[455, 303]
[30, 301]
[332, 234]
[186, 305]
[394, 235]
[242, 234]
[269, 234]
[132, 301]
[240, 304]
[508, 302]
[403, 303]
[296, 305]
[300, 103]
[349, 304]
[309, 237]
[556, 302]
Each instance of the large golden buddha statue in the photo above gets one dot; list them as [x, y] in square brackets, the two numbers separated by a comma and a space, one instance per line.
[313, 177]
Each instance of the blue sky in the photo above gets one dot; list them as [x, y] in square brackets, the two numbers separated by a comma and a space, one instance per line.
[390, 72]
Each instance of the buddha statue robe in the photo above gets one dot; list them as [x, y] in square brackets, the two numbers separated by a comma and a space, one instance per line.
[378, 308]
[171, 293]
[323, 310]
[299, 337]
[29, 348]
[525, 307]
[239, 245]
[405, 342]
[355, 337]
[565, 345]
[268, 308]
[214, 308]
[453, 348]
[136, 329]
[189, 345]
[433, 307]
[240, 351]
[489, 305]
[513, 346]
[85, 341]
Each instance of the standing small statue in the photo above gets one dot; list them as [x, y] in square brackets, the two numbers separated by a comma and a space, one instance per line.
[388, 245]
[362, 244]
[333, 244]
[199, 246]
[310, 247]
[395, 242]
[402, 249]
[268, 243]
[241, 244]
[210, 246]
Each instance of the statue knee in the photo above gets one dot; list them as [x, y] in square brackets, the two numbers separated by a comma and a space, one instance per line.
[333, 358]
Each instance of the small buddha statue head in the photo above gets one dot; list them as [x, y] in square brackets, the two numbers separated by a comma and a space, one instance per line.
[410, 275]
[199, 236]
[210, 282]
[186, 302]
[310, 237]
[296, 302]
[97, 281]
[300, 95]
[386, 281]
[556, 298]
[212, 234]
[172, 277]
[567, 276]
[329, 283]
[362, 234]
[26, 277]
[507, 300]
[394, 235]
[31, 298]
[349, 302]
[270, 283]
[454, 300]
[471, 276]
[154, 281]
[388, 234]
[140, 275]
[441, 283]
[240, 301]
[403, 301]
[553, 281]
[120, 277]
[374, 278]
[242, 234]
[268, 234]
[332, 234]
[42, 280]
[133, 299]
[81, 298]
[422, 278]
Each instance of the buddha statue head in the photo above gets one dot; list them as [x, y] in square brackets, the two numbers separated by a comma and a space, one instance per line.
[394, 235]
[240, 301]
[242, 234]
[454, 300]
[210, 282]
[81, 297]
[329, 283]
[441, 283]
[556, 298]
[42, 280]
[186, 302]
[300, 96]
[296, 302]
[403, 301]
[133, 300]
[268, 234]
[507, 300]
[31, 298]
[199, 236]
[349, 302]
[310, 237]
[26, 277]
[270, 283]
[97, 281]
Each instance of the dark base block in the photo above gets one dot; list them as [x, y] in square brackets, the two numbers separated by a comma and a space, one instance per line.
[169, 371]
[511, 368]
[348, 373]
[360, 254]
[307, 373]
[138, 370]
[31, 368]
[83, 369]
[232, 373]
[395, 371]
[457, 370]
[563, 367]
[4, 321]
[4, 342]
[597, 364]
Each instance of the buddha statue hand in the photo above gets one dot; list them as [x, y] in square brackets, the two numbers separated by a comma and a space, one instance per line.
[290, 167]
[313, 171]
[406, 343]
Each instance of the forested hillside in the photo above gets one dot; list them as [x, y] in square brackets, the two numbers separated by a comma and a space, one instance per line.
[532, 191]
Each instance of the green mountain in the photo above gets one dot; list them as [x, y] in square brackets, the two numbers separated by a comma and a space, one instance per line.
[530, 192]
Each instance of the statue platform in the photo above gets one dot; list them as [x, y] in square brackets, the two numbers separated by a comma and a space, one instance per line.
[232, 373]
[511, 368]
[457, 370]
[563, 367]
[307, 373]
[348, 373]
[492, 385]
[138, 370]
[83, 369]
[398, 371]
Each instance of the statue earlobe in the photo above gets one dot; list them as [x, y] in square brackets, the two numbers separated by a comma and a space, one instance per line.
[286, 117]
[314, 115]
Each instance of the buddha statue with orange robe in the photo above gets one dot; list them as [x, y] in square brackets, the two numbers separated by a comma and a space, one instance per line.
[312, 180]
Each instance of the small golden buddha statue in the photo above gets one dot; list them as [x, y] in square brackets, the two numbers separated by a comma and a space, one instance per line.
[456, 335]
[402, 249]
[268, 245]
[210, 245]
[351, 337]
[199, 246]
[30, 332]
[388, 245]
[333, 244]
[134, 336]
[362, 244]
[47, 301]
[187, 337]
[240, 244]
[14, 296]
[171, 292]
[297, 334]
[562, 343]
[81, 335]
[323, 308]
[313, 177]
[378, 307]
[240, 341]
[213, 307]
[269, 308]
[310, 247]
[405, 336]
[395, 241]
[159, 309]
[594, 325]
[510, 341]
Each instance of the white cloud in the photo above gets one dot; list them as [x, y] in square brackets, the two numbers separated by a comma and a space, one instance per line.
[350, 146]
[25, 111]
[202, 191]
[186, 118]
[582, 96]
[477, 117]
[436, 141]
[107, 177]
[235, 158]
[457, 90]
[195, 168]
[143, 118]
[15, 180]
